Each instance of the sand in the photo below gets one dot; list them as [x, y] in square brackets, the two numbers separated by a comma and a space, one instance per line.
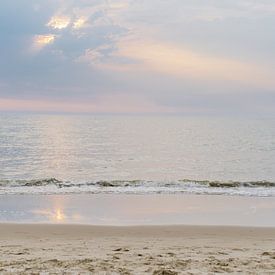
[80, 249]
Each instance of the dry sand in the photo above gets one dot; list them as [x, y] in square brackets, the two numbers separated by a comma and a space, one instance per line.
[76, 249]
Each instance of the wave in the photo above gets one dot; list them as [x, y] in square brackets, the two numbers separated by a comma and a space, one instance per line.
[230, 184]
[55, 186]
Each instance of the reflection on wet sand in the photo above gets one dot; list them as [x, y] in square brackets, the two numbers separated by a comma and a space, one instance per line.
[59, 215]
[57, 210]
[138, 210]
[51, 215]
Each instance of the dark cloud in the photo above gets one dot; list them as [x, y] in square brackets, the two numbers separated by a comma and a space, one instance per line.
[52, 72]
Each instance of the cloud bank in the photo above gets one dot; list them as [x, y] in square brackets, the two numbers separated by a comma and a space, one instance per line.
[191, 57]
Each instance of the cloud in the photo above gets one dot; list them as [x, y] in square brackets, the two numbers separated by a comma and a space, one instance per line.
[79, 23]
[102, 104]
[59, 22]
[177, 61]
[172, 56]
[41, 41]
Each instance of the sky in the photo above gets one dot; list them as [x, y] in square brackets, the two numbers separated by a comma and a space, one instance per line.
[201, 57]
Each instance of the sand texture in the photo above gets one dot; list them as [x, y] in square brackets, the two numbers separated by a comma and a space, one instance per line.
[76, 249]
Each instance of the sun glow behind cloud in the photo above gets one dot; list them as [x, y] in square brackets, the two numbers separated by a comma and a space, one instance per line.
[40, 41]
[59, 22]
[79, 23]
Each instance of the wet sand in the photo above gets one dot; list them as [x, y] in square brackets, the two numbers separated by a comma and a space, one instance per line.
[82, 249]
[118, 209]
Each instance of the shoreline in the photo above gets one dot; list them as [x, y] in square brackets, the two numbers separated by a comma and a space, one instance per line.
[136, 210]
[83, 225]
[55, 248]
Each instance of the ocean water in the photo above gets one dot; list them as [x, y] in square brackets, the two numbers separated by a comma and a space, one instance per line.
[48, 154]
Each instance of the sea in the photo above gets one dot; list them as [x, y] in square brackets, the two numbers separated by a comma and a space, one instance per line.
[136, 154]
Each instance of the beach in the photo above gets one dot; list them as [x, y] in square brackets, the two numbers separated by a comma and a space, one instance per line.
[127, 234]
[80, 249]
[136, 195]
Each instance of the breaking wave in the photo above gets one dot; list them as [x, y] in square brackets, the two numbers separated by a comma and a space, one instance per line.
[55, 186]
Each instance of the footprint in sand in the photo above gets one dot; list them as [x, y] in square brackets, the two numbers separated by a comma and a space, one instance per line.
[165, 272]
[271, 254]
[121, 249]
[170, 254]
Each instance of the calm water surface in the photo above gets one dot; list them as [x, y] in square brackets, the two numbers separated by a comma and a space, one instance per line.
[159, 151]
